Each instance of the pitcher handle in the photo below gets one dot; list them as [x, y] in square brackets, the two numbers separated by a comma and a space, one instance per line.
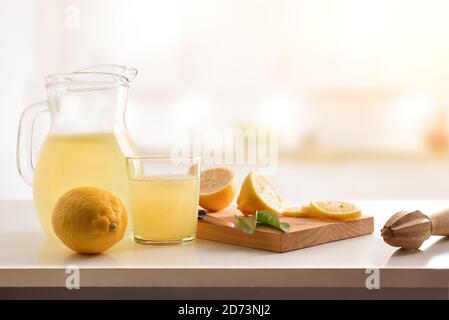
[25, 139]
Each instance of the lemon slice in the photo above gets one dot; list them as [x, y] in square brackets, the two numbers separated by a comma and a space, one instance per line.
[257, 193]
[336, 210]
[293, 212]
[217, 188]
[300, 212]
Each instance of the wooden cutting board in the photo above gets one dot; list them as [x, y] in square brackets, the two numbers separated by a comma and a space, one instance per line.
[303, 232]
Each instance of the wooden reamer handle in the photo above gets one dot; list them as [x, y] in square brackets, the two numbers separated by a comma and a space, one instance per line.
[440, 223]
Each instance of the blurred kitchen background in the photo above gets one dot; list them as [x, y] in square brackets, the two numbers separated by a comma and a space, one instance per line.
[357, 90]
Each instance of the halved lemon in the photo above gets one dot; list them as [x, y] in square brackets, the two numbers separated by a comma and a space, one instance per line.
[217, 188]
[336, 210]
[257, 193]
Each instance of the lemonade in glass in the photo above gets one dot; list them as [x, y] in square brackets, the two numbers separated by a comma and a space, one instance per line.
[163, 194]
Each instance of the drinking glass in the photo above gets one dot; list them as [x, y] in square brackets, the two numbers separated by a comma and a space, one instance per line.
[163, 194]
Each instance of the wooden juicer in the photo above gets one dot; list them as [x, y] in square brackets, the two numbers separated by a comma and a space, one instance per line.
[409, 229]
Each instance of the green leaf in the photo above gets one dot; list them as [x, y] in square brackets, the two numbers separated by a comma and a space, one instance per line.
[247, 223]
[271, 219]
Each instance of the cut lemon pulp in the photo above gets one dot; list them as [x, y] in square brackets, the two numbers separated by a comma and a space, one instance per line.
[336, 210]
[217, 188]
[257, 193]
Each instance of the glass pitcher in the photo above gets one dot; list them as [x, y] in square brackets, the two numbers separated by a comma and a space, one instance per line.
[87, 141]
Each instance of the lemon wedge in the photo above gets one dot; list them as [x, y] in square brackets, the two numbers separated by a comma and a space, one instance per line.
[257, 193]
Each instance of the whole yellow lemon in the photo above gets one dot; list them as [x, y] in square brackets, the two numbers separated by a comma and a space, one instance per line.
[89, 220]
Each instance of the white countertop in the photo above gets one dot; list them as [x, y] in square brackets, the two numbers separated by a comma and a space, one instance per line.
[28, 258]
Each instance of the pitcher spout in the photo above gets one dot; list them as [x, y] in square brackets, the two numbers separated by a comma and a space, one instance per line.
[128, 74]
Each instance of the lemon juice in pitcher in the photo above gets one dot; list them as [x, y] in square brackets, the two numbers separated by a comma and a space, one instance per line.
[87, 140]
[71, 160]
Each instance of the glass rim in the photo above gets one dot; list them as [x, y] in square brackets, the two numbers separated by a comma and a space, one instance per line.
[99, 76]
[161, 157]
